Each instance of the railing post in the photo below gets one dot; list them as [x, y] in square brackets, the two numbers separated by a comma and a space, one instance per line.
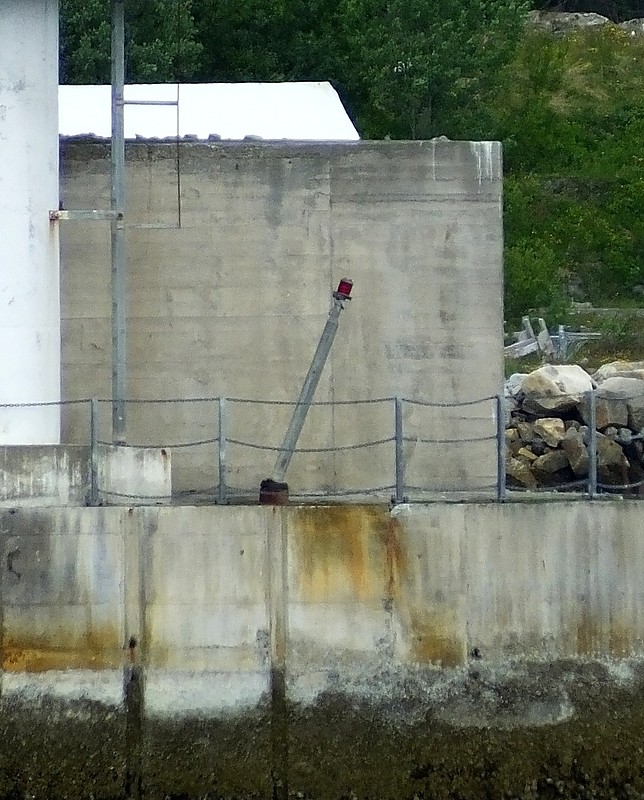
[592, 445]
[93, 452]
[501, 487]
[400, 465]
[222, 498]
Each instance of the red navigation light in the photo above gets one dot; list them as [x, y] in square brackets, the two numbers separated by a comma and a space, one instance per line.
[344, 287]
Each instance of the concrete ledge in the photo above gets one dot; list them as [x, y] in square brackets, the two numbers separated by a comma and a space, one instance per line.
[61, 475]
[133, 475]
[44, 475]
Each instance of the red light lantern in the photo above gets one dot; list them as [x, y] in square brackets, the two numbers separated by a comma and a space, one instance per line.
[344, 287]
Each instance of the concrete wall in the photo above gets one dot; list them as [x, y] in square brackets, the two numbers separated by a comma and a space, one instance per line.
[445, 650]
[234, 301]
[44, 475]
[133, 475]
[68, 475]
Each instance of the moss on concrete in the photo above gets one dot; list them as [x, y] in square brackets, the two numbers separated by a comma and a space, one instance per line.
[345, 747]
[51, 749]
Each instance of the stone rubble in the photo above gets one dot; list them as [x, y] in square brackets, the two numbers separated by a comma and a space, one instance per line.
[547, 436]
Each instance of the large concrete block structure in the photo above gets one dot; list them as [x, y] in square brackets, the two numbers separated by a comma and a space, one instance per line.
[228, 298]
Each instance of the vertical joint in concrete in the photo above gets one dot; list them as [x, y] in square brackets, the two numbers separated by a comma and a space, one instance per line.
[133, 667]
[278, 612]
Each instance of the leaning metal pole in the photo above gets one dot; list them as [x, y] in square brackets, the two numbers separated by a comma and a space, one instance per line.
[311, 381]
[117, 225]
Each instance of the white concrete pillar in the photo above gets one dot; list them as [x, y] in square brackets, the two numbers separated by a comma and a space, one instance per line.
[29, 260]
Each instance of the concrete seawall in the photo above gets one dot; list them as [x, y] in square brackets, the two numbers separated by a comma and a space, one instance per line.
[447, 650]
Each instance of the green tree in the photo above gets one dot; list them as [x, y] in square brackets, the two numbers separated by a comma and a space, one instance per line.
[160, 41]
[570, 112]
[415, 58]
[396, 63]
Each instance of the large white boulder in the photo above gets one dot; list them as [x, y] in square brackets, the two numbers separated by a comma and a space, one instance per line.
[512, 385]
[619, 369]
[555, 388]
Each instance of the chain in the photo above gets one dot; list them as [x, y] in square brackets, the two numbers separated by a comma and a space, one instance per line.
[254, 446]
[166, 446]
[449, 441]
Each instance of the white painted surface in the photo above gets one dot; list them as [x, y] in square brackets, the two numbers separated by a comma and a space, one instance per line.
[309, 111]
[29, 280]
[134, 475]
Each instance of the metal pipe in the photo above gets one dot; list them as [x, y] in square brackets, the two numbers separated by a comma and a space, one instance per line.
[149, 102]
[222, 451]
[592, 445]
[501, 487]
[400, 463]
[311, 381]
[93, 494]
[117, 164]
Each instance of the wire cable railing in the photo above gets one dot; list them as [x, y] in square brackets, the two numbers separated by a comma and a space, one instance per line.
[430, 447]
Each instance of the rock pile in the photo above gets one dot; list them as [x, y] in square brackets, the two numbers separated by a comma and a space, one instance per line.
[548, 435]
[560, 23]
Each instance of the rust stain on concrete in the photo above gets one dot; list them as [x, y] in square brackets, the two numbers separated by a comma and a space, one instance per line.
[97, 650]
[359, 553]
[432, 630]
[594, 637]
[589, 635]
[620, 639]
[434, 638]
[342, 550]
[396, 557]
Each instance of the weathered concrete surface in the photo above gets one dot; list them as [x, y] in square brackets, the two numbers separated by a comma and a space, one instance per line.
[49, 475]
[451, 651]
[64, 475]
[133, 475]
[233, 303]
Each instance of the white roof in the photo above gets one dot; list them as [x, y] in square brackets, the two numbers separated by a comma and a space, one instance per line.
[309, 111]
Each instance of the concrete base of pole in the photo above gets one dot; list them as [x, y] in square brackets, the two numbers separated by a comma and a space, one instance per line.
[273, 493]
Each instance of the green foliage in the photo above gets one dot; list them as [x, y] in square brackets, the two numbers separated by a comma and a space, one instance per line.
[84, 41]
[160, 41]
[569, 110]
[393, 61]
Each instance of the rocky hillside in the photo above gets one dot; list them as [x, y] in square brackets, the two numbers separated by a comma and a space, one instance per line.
[561, 23]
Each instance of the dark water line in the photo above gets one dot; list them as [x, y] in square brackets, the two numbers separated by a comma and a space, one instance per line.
[279, 735]
[134, 696]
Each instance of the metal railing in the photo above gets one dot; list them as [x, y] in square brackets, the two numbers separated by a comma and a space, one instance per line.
[415, 450]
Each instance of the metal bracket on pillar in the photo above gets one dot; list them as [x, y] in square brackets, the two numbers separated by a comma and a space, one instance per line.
[84, 215]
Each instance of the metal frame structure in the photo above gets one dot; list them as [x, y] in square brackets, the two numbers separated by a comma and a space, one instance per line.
[116, 217]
